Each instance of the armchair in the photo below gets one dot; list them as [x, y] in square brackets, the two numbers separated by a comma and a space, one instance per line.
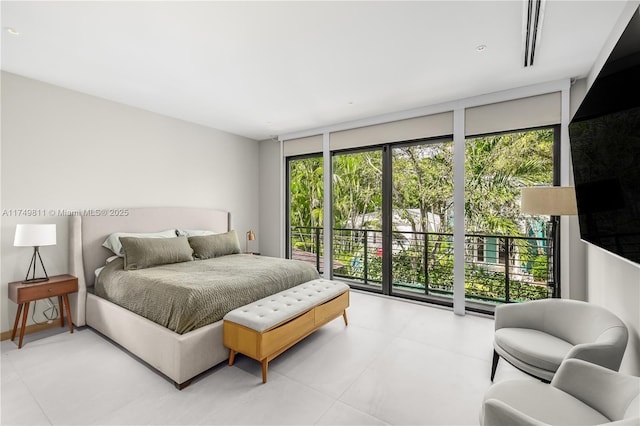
[581, 393]
[537, 336]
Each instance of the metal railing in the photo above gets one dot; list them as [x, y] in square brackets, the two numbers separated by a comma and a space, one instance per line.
[498, 268]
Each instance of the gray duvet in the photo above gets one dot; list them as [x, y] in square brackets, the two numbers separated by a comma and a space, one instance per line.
[186, 296]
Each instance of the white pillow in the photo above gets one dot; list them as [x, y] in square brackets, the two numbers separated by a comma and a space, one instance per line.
[109, 259]
[113, 241]
[193, 232]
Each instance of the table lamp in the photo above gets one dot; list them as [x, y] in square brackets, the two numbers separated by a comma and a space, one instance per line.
[250, 237]
[35, 235]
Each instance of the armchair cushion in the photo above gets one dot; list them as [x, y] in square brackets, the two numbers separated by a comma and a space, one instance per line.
[533, 347]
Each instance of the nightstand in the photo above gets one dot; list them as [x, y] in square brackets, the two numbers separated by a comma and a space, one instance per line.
[24, 294]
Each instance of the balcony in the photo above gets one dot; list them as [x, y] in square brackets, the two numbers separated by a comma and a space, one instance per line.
[498, 268]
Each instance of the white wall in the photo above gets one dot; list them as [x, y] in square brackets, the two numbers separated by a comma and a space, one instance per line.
[615, 284]
[270, 198]
[66, 150]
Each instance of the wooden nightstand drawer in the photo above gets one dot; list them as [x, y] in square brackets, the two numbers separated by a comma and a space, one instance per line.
[56, 286]
[42, 291]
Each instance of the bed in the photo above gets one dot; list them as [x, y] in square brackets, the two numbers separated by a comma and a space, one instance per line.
[180, 355]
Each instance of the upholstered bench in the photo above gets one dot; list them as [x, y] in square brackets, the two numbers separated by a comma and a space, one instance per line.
[264, 329]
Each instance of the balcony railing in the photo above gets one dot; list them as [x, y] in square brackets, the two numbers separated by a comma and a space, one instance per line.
[498, 268]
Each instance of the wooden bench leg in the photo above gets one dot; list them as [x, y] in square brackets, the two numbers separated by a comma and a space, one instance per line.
[265, 366]
[232, 357]
[344, 316]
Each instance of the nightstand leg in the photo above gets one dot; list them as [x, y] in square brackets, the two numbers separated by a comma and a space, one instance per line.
[61, 311]
[15, 324]
[61, 305]
[25, 314]
[66, 302]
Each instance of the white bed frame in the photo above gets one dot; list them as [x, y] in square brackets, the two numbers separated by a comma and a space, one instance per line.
[180, 357]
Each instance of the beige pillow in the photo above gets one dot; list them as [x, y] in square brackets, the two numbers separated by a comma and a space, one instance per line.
[140, 253]
[208, 246]
[113, 241]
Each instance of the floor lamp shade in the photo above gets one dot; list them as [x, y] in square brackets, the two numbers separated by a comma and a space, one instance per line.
[549, 200]
[35, 235]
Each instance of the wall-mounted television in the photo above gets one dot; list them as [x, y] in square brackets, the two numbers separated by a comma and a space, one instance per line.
[605, 148]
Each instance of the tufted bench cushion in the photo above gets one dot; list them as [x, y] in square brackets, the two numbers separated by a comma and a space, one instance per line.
[264, 329]
[274, 310]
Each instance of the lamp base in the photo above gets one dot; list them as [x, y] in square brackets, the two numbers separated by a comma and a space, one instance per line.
[35, 280]
[33, 264]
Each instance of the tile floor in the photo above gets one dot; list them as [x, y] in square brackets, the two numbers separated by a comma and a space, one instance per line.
[397, 362]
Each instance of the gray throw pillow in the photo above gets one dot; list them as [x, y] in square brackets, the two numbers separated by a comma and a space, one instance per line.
[113, 241]
[208, 246]
[140, 253]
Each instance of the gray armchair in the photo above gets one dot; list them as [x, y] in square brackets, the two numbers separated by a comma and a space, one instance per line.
[581, 393]
[537, 336]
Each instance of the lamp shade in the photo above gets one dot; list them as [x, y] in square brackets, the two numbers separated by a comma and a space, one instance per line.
[251, 236]
[35, 235]
[549, 200]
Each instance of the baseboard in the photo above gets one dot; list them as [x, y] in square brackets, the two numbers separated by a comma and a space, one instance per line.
[33, 328]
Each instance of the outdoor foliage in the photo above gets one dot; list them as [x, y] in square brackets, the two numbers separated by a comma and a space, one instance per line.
[496, 167]
[495, 170]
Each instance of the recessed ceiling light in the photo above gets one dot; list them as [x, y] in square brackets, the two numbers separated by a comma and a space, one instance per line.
[13, 31]
[481, 48]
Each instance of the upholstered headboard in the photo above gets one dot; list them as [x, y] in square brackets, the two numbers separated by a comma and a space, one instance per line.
[87, 233]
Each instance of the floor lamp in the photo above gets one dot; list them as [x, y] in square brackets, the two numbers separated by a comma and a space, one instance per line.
[554, 201]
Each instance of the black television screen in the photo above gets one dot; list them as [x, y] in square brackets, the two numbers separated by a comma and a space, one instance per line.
[605, 149]
[606, 167]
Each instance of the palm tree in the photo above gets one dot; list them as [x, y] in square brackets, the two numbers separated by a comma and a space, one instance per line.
[496, 168]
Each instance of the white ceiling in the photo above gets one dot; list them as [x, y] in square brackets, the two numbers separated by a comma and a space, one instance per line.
[267, 68]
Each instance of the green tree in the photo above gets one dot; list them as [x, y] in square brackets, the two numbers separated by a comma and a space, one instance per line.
[305, 201]
[423, 182]
[357, 189]
[496, 167]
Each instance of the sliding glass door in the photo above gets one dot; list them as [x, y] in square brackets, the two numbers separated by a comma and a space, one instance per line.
[507, 253]
[405, 248]
[392, 217]
[357, 217]
[421, 220]
[305, 207]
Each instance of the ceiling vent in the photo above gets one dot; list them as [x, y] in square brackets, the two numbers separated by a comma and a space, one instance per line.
[531, 28]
